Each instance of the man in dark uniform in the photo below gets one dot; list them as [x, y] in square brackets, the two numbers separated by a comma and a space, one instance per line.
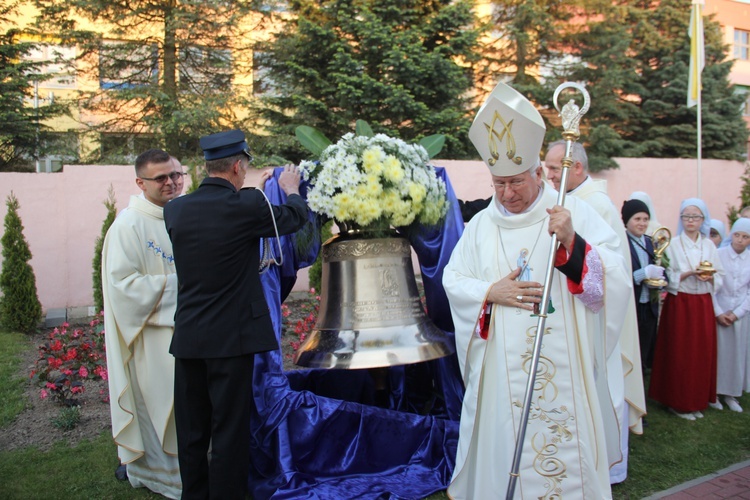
[222, 317]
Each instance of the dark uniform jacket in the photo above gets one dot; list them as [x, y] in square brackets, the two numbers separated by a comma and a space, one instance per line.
[637, 265]
[215, 232]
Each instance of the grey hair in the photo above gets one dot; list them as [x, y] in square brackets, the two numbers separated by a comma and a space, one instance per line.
[577, 153]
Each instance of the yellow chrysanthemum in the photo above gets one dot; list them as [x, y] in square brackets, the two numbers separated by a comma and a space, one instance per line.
[417, 192]
[392, 169]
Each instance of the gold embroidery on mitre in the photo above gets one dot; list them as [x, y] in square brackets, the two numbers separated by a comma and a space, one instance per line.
[510, 142]
[552, 419]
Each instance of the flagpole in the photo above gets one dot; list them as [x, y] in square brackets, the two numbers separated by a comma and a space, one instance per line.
[699, 135]
[697, 61]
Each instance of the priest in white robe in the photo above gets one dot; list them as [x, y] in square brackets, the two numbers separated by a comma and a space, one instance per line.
[624, 374]
[140, 297]
[565, 453]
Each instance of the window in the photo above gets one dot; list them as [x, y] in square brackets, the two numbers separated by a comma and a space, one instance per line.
[745, 92]
[205, 68]
[124, 65]
[263, 83]
[742, 44]
[56, 65]
[123, 148]
[55, 149]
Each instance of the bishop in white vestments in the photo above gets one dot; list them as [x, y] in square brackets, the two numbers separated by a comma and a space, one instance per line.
[565, 453]
[140, 298]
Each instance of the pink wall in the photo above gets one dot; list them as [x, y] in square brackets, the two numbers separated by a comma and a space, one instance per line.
[63, 212]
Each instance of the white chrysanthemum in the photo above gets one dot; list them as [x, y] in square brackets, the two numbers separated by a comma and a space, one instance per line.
[363, 179]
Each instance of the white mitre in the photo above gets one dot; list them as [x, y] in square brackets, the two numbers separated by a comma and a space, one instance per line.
[508, 132]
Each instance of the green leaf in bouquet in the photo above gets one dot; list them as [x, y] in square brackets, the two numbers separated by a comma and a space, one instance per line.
[363, 128]
[312, 139]
[433, 144]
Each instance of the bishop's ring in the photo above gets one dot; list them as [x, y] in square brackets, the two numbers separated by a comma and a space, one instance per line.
[519, 298]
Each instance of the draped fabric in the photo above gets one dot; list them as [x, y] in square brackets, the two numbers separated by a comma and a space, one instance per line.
[316, 435]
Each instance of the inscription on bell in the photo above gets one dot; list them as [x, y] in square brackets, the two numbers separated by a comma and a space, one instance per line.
[365, 311]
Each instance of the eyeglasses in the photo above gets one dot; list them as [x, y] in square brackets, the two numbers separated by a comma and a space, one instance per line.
[691, 217]
[161, 179]
[515, 184]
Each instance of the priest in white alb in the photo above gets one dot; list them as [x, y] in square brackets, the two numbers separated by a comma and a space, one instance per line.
[624, 373]
[571, 419]
[140, 298]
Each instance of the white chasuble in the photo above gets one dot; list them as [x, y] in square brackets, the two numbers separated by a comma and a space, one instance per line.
[565, 452]
[140, 298]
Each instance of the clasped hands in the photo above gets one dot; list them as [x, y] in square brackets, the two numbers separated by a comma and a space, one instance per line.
[726, 319]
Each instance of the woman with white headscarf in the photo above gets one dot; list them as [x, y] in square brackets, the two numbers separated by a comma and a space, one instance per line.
[683, 376]
[731, 305]
[717, 232]
[653, 224]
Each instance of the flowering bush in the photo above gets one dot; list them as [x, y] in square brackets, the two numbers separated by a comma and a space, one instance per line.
[375, 180]
[308, 310]
[67, 358]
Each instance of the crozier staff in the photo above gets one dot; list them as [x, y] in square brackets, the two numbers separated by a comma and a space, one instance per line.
[222, 316]
[564, 450]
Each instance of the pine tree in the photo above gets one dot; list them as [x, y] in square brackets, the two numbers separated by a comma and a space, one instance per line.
[667, 127]
[402, 66]
[601, 45]
[20, 309]
[22, 129]
[171, 69]
[109, 203]
[734, 212]
[634, 58]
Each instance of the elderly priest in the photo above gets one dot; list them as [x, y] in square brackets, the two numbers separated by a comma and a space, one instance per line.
[494, 284]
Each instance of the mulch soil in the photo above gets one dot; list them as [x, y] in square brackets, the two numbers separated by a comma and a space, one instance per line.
[33, 427]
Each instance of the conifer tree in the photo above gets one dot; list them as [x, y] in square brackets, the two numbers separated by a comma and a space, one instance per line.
[109, 203]
[20, 309]
[22, 127]
[633, 57]
[402, 66]
[734, 212]
[174, 70]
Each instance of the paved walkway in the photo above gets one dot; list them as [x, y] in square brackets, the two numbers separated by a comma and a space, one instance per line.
[732, 482]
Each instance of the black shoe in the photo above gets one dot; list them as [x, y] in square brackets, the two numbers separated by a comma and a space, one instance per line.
[121, 473]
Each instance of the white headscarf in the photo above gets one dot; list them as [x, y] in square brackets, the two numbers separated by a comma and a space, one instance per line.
[705, 228]
[719, 227]
[741, 225]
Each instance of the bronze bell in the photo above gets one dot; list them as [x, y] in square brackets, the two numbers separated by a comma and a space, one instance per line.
[370, 312]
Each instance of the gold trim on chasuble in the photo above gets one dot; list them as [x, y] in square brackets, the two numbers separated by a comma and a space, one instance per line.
[553, 420]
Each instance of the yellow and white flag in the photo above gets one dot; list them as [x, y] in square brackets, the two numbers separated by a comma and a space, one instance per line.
[697, 55]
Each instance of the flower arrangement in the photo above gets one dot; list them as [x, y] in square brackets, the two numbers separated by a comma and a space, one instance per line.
[69, 357]
[375, 180]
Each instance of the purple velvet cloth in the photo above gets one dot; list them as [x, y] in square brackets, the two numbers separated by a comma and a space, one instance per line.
[316, 433]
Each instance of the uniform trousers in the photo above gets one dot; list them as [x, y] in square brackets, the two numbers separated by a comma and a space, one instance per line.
[213, 404]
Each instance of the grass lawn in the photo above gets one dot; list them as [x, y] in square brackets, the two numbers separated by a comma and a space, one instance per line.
[671, 450]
